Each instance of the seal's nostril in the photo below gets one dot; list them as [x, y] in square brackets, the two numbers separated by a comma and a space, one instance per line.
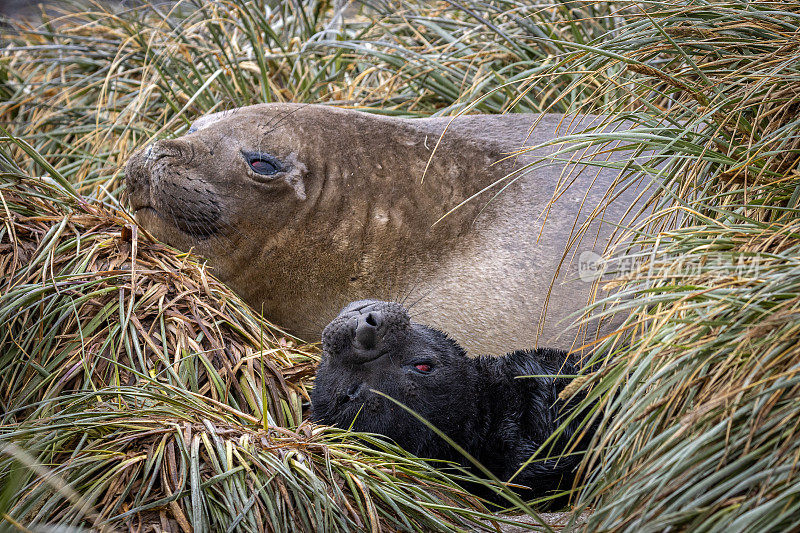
[170, 148]
[366, 334]
[371, 320]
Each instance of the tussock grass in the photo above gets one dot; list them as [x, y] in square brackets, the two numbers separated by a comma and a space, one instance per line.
[701, 424]
[701, 411]
[88, 302]
[160, 456]
[451, 57]
[706, 417]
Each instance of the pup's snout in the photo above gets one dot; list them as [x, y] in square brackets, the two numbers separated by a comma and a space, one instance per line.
[359, 332]
[367, 329]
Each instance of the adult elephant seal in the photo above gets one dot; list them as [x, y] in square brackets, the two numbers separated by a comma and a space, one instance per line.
[500, 410]
[303, 208]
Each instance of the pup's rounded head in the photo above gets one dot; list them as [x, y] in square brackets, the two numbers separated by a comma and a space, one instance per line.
[372, 347]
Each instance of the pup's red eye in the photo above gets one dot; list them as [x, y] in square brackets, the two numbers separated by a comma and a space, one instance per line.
[422, 367]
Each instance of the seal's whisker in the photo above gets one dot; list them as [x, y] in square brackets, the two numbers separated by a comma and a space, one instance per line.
[208, 229]
[312, 323]
[389, 288]
[434, 310]
[400, 294]
[213, 227]
[422, 297]
[284, 116]
[403, 298]
[228, 231]
[274, 123]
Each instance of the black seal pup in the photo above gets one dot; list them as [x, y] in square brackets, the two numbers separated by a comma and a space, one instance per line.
[483, 404]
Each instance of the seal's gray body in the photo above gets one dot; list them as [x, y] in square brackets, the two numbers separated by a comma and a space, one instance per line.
[355, 210]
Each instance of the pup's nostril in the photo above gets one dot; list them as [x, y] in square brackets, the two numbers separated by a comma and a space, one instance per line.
[367, 326]
[366, 335]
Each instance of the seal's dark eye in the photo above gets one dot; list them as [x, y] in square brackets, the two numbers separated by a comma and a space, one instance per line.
[423, 367]
[263, 164]
[263, 167]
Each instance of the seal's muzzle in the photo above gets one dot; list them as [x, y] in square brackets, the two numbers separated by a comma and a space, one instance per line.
[363, 329]
[158, 182]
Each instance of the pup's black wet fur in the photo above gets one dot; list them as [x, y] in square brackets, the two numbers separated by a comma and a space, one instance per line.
[480, 403]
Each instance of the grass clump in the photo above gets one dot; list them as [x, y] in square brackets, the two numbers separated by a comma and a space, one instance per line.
[153, 456]
[701, 425]
[706, 416]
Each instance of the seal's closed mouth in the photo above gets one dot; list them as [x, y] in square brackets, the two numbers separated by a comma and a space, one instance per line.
[144, 213]
[196, 226]
[367, 356]
[137, 210]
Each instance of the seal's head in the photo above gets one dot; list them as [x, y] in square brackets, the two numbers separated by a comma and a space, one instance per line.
[297, 203]
[372, 349]
[204, 189]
